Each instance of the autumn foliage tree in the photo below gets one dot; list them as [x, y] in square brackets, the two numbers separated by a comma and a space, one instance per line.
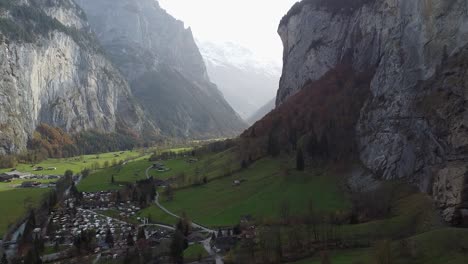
[322, 117]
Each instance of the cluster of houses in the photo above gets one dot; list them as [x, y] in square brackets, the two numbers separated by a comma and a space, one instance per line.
[66, 223]
[99, 200]
[28, 179]
[74, 218]
[105, 201]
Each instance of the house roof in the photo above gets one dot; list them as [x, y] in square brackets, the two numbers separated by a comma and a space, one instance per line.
[17, 173]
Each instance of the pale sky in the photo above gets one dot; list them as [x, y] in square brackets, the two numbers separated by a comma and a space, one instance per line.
[250, 23]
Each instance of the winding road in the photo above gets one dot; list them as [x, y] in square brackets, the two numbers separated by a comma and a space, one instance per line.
[206, 243]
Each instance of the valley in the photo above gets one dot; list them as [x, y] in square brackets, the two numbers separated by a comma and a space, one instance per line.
[168, 132]
[271, 193]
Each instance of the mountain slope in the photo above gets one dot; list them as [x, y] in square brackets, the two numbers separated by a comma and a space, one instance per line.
[246, 81]
[404, 116]
[161, 61]
[53, 72]
[260, 113]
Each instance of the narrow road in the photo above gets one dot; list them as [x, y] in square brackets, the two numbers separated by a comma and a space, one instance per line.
[206, 243]
[156, 201]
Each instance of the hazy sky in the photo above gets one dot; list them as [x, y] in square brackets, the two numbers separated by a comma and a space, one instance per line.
[251, 23]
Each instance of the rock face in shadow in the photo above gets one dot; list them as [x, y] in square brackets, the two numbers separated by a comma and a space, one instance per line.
[414, 124]
[52, 71]
[159, 58]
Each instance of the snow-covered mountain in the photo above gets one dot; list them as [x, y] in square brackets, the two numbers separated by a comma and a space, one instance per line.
[247, 81]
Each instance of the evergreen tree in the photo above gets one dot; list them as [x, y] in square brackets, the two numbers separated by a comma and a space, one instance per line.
[68, 173]
[177, 247]
[141, 234]
[130, 241]
[109, 238]
[4, 259]
[112, 179]
[300, 163]
[273, 145]
[244, 164]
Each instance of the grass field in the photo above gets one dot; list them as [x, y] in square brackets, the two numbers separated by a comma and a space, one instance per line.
[156, 215]
[446, 245]
[195, 252]
[439, 246]
[6, 186]
[211, 166]
[341, 257]
[101, 179]
[263, 191]
[76, 164]
[15, 203]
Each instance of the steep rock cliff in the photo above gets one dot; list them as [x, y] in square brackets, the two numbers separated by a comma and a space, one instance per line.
[52, 71]
[159, 58]
[413, 125]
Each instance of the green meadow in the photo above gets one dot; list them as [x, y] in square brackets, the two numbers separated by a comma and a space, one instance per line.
[76, 164]
[195, 252]
[264, 189]
[209, 166]
[15, 203]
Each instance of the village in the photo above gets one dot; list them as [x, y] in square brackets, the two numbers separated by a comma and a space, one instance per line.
[98, 226]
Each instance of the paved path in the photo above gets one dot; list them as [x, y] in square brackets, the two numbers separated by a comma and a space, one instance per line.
[206, 243]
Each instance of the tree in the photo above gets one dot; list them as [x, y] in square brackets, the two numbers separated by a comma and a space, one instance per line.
[85, 173]
[106, 164]
[178, 245]
[244, 164]
[141, 234]
[130, 241]
[68, 173]
[112, 179]
[109, 238]
[4, 259]
[273, 145]
[383, 252]
[312, 220]
[325, 258]
[285, 211]
[184, 225]
[32, 257]
[300, 164]
[169, 193]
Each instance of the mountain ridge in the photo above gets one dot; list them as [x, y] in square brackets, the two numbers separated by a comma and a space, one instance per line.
[143, 41]
[54, 72]
[238, 71]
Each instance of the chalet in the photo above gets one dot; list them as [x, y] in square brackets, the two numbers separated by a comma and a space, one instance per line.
[29, 184]
[158, 165]
[19, 175]
[196, 237]
[192, 160]
[52, 168]
[225, 244]
[159, 183]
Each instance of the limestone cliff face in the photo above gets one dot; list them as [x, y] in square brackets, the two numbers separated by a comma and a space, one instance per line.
[159, 58]
[51, 71]
[414, 124]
